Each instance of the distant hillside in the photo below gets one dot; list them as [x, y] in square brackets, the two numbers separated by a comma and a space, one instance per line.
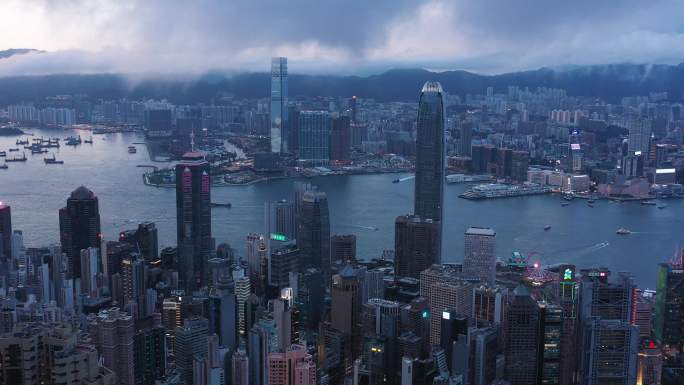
[16, 51]
[610, 82]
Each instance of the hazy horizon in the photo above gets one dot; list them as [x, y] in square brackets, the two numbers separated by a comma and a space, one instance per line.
[327, 37]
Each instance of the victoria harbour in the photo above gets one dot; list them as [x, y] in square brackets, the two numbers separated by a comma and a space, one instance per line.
[365, 205]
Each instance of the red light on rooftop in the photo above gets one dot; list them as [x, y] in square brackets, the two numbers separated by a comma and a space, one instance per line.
[651, 345]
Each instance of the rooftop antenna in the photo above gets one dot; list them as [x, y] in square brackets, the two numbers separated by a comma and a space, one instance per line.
[192, 140]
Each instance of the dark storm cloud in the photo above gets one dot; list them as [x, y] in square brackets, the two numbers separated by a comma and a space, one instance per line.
[138, 36]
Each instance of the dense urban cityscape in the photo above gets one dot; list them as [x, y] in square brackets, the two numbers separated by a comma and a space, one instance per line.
[295, 304]
[325, 224]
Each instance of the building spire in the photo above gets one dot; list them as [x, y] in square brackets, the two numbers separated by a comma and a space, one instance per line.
[192, 140]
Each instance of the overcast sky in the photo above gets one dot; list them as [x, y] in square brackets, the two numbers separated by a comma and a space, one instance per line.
[335, 36]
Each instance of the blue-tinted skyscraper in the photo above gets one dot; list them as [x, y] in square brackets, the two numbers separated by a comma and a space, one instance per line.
[429, 188]
[314, 137]
[279, 121]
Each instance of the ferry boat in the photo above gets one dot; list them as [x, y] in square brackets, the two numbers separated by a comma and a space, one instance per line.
[89, 141]
[132, 150]
[648, 203]
[623, 231]
[499, 190]
[52, 160]
[22, 142]
[564, 204]
[395, 181]
[547, 227]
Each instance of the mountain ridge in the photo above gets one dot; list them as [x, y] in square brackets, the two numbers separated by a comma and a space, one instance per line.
[610, 82]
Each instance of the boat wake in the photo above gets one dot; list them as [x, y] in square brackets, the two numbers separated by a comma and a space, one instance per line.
[582, 251]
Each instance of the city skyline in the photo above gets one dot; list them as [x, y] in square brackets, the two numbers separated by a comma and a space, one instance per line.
[508, 234]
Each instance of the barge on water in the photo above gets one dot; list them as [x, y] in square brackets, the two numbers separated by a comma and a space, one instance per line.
[500, 190]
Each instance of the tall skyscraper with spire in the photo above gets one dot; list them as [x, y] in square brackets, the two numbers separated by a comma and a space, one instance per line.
[418, 237]
[79, 227]
[429, 187]
[279, 118]
[193, 219]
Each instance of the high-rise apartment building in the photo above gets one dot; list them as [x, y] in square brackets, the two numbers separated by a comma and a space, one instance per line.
[293, 367]
[279, 107]
[51, 354]
[114, 331]
[479, 260]
[79, 227]
[193, 220]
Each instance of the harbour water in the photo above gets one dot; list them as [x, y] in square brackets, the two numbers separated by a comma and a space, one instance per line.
[579, 234]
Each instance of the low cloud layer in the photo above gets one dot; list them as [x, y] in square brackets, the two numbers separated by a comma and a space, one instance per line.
[325, 36]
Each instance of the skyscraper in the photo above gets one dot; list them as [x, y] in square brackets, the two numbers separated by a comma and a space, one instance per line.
[293, 367]
[465, 141]
[639, 136]
[429, 185]
[114, 331]
[567, 297]
[5, 231]
[280, 218]
[223, 313]
[314, 138]
[314, 232]
[610, 342]
[479, 260]
[79, 227]
[279, 120]
[416, 245]
[193, 219]
[191, 341]
[668, 325]
[522, 339]
[343, 247]
[340, 139]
